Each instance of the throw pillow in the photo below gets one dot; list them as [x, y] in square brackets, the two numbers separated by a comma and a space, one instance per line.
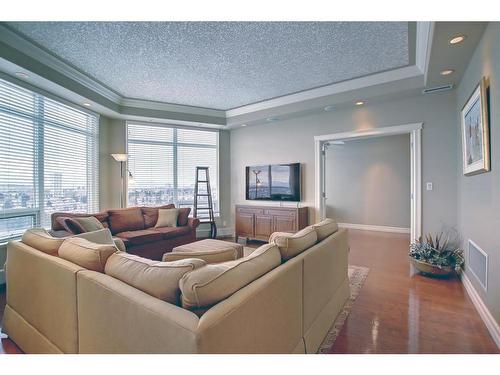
[167, 217]
[182, 219]
[79, 225]
[151, 214]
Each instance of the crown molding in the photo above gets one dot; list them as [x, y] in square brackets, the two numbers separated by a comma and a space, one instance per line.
[336, 88]
[424, 34]
[30, 49]
[422, 55]
[16, 41]
[161, 106]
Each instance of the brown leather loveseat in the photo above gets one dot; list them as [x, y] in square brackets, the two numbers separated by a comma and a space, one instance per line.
[135, 226]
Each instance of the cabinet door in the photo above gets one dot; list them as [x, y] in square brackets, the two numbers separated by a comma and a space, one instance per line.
[244, 224]
[263, 226]
[285, 224]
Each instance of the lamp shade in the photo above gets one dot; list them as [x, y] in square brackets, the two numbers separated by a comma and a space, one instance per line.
[120, 157]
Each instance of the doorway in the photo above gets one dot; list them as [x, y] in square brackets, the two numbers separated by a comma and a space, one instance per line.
[415, 132]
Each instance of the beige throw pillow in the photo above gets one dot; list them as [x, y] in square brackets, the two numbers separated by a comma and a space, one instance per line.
[167, 217]
[159, 279]
[90, 255]
[86, 224]
[215, 282]
[291, 244]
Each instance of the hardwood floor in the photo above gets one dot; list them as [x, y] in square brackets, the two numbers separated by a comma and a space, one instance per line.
[399, 313]
[395, 312]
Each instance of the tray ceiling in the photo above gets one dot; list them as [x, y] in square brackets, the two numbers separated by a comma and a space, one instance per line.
[221, 65]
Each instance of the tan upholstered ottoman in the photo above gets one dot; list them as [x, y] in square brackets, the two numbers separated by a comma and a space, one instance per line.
[211, 251]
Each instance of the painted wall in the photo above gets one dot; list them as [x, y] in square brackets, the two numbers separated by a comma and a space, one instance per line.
[368, 181]
[479, 195]
[292, 141]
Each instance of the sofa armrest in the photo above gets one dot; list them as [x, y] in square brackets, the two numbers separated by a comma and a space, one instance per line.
[193, 222]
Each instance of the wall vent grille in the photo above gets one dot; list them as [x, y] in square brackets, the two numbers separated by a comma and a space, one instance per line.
[432, 90]
[478, 264]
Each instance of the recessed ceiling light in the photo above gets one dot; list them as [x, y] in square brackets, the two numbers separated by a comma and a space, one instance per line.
[447, 72]
[360, 102]
[329, 108]
[243, 125]
[22, 75]
[457, 39]
[87, 104]
[272, 119]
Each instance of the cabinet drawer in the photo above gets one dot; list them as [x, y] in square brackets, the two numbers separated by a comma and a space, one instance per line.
[249, 210]
[286, 213]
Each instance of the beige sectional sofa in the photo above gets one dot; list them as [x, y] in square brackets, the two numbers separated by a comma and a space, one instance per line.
[287, 295]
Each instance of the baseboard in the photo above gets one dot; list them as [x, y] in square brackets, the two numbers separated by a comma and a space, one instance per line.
[376, 228]
[2, 276]
[225, 232]
[484, 313]
[221, 232]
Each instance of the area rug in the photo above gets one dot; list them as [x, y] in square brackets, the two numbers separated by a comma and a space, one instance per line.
[357, 277]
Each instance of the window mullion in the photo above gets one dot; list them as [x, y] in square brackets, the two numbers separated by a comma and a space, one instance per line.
[175, 169]
[39, 162]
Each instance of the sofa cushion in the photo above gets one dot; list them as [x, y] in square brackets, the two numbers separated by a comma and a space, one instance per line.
[325, 228]
[183, 216]
[87, 254]
[78, 225]
[159, 279]
[292, 244]
[210, 250]
[150, 215]
[139, 237]
[127, 219]
[171, 232]
[40, 239]
[167, 217]
[215, 282]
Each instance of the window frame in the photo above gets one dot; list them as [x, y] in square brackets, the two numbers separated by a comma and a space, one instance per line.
[39, 122]
[175, 145]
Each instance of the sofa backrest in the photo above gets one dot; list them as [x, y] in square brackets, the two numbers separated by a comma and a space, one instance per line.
[125, 219]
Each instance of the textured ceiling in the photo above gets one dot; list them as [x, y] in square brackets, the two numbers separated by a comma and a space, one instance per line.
[221, 65]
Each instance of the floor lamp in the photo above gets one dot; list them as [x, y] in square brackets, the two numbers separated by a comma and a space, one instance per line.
[122, 159]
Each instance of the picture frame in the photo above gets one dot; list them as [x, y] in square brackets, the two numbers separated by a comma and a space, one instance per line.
[476, 131]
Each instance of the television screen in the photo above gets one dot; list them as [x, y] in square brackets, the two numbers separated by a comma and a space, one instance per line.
[276, 182]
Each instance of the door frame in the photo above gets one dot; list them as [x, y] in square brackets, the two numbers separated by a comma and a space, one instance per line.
[415, 131]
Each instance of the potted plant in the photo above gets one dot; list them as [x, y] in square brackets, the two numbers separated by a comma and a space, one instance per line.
[437, 256]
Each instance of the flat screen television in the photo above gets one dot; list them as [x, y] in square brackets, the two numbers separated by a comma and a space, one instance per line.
[274, 182]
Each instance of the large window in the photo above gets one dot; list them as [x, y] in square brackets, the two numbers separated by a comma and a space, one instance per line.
[48, 160]
[163, 160]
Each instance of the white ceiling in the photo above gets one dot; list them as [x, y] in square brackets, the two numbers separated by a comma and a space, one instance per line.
[221, 65]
